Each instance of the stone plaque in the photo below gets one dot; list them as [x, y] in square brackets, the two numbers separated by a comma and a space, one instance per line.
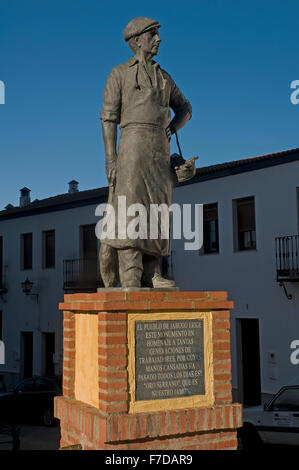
[169, 359]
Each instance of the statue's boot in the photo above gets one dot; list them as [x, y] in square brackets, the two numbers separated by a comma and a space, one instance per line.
[130, 267]
[161, 282]
[108, 261]
[152, 274]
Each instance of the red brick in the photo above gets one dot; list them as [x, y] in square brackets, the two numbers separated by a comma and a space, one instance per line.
[113, 374]
[124, 427]
[218, 411]
[106, 316]
[221, 397]
[114, 428]
[104, 339]
[112, 386]
[221, 323]
[69, 363]
[202, 418]
[105, 350]
[218, 295]
[141, 425]
[68, 344]
[187, 295]
[221, 355]
[69, 317]
[222, 366]
[132, 426]
[112, 328]
[113, 396]
[68, 334]
[223, 376]
[163, 424]
[68, 355]
[222, 387]
[183, 422]
[210, 412]
[225, 315]
[113, 361]
[173, 422]
[191, 413]
[64, 306]
[214, 306]
[146, 295]
[231, 444]
[113, 408]
[107, 306]
[223, 336]
[222, 346]
[179, 305]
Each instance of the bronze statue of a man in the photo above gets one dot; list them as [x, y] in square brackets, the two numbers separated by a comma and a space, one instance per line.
[138, 97]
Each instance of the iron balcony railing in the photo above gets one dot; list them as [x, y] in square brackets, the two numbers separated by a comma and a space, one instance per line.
[81, 275]
[287, 258]
[3, 284]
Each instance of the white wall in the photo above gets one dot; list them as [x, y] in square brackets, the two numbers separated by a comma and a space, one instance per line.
[249, 276]
[23, 313]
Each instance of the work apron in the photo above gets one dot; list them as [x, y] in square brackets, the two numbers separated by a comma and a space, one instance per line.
[143, 175]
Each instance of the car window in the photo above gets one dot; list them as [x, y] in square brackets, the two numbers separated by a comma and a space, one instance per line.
[44, 385]
[25, 386]
[288, 400]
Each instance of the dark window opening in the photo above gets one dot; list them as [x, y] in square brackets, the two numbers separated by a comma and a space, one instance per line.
[49, 350]
[27, 353]
[1, 326]
[210, 228]
[49, 249]
[246, 224]
[26, 250]
[1, 262]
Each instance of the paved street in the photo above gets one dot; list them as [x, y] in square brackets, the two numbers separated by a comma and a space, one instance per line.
[37, 438]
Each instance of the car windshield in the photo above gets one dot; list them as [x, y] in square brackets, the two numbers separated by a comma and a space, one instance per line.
[44, 385]
[288, 400]
[25, 386]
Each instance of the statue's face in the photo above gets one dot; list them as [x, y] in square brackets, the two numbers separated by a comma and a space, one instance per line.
[149, 41]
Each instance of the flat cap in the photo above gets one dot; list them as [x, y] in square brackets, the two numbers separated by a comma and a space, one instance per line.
[138, 26]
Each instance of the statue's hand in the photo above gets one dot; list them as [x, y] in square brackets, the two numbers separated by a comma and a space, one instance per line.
[168, 132]
[111, 171]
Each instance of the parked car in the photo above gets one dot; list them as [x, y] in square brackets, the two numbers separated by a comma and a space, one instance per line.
[31, 400]
[277, 422]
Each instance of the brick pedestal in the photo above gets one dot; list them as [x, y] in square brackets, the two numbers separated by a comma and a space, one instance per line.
[96, 407]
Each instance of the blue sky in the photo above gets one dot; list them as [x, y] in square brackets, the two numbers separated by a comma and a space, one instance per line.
[233, 59]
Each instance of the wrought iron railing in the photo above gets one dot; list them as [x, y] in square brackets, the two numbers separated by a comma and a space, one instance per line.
[287, 258]
[81, 275]
[3, 284]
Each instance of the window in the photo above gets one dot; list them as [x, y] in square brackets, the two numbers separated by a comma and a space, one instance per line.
[245, 224]
[1, 326]
[1, 262]
[210, 228]
[288, 400]
[26, 251]
[49, 248]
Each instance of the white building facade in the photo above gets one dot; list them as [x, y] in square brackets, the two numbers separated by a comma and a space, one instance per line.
[247, 205]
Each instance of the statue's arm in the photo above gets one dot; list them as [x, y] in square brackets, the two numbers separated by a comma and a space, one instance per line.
[109, 132]
[181, 107]
[110, 116]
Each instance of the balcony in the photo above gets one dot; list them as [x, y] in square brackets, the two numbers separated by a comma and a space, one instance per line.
[287, 258]
[3, 285]
[81, 275]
